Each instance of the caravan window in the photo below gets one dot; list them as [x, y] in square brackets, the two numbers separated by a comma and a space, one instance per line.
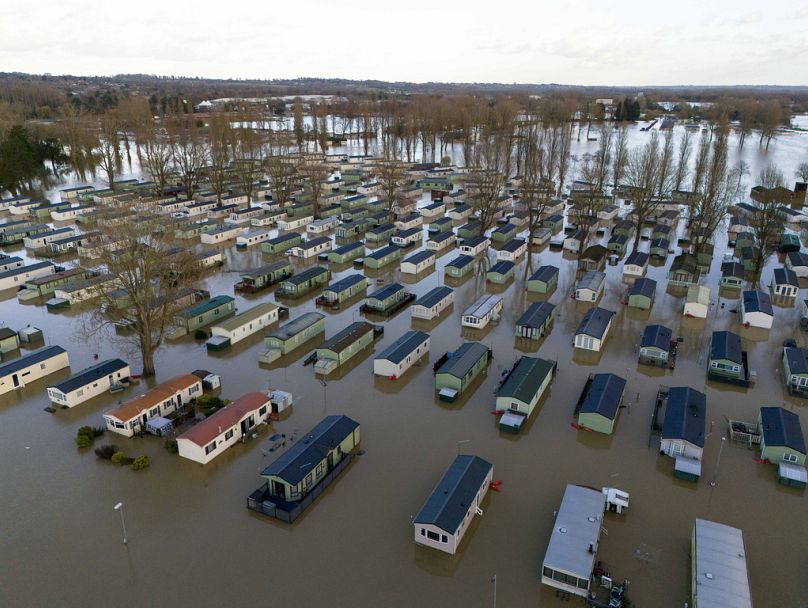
[432, 535]
[790, 457]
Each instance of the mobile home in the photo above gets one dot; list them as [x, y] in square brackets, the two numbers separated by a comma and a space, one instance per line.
[485, 309]
[522, 388]
[311, 248]
[544, 280]
[512, 250]
[382, 257]
[344, 289]
[433, 303]
[536, 321]
[89, 383]
[204, 313]
[683, 429]
[264, 276]
[32, 367]
[460, 369]
[441, 241]
[401, 355]
[346, 253]
[343, 345]
[593, 329]
[459, 267]
[602, 402]
[418, 262]
[289, 336]
[474, 246]
[243, 325]
[281, 243]
[303, 282]
[756, 309]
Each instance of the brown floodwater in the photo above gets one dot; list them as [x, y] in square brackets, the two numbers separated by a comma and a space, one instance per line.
[193, 542]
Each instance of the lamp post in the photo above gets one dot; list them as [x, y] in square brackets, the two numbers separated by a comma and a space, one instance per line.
[325, 400]
[714, 482]
[119, 507]
[494, 583]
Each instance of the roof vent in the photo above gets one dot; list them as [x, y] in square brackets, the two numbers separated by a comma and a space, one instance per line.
[591, 519]
[709, 575]
[563, 530]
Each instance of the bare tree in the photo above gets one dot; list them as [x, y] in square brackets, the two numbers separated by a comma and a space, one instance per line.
[108, 153]
[314, 174]
[247, 158]
[392, 176]
[802, 172]
[766, 219]
[157, 157]
[219, 155]
[189, 152]
[665, 175]
[683, 160]
[642, 179]
[620, 156]
[282, 175]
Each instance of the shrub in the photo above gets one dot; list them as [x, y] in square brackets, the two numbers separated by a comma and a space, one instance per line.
[86, 431]
[171, 446]
[106, 451]
[140, 463]
[209, 401]
[82, 441]
[117, 457]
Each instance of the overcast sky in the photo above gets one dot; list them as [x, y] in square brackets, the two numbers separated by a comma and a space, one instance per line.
[627, 42]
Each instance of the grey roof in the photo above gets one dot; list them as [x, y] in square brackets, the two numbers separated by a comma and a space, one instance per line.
[203, 307]
[23, 269]
[576, 527]
[307, 275]
[644, 287]
[433, 296]
[757, 301]
[267, 269]
[304, 455]
[32, 358]
[536, 314]
[452, 497]
[726, 345]
[544, 273]
[506, 228]
[595, 322]
[662, 243]
[291, 236]
[618, 238]
[402, 347]
[409, 232]
[346, 336]
[347, 248]
[684, 415]
[732, 269]
[461, 261]
[91, 374]
[502, 267]
[463, 359]
[382, 252]
[797, 359]
[785, 276]
[386, 291]
[473, 241]
[603, 396]
[418, 257]
[295, 326]
[781, 427]
[442, 236]
[591, 280]
[345, 282]
[512, 245]
[312, 243]
[525, 378]
[722, 578]
[797, 259]
[656, 335]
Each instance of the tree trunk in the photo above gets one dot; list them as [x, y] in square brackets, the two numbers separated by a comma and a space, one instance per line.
[147, 355]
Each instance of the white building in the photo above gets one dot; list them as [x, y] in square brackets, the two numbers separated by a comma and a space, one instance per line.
[408, 237]
[590, 287]
[512, 250]
[441, 241]
[474, 246]
[433, 303]
[40, 240]
[253, 320]
[220, 235]
[322, 226]
[31, 367]
[89, 383]
[401, 355]
[252, 237]
[697, 302]
[15, 277]
[756, 309]
[485, 309]
[294, 223]
[636, 264]
[311, 248]
[418, 262]
[593, 329]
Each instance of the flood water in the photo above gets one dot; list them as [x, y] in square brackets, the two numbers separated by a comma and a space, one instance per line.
[193, 542]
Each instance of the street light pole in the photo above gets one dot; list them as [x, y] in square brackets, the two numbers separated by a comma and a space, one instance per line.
[714, 482]
[119, 507]
[494, 582]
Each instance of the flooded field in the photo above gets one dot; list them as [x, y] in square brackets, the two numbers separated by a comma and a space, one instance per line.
[193, 542]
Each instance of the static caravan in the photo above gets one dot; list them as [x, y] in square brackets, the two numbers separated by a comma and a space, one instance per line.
[590, 286]
[727, 361]
[655, 345]
[220, 235]
[31, 367]
[636, 265]
[343, 345]
[8, 262]
[500, 273]
[89, 383]
[798, 262]
[9, 341]
[512, 250]
[401, 355]
[42, 286]
[353, 202]
[60, 246]
[572, 551]
[459, 267]
[447, 513]
[71, 194]
[303, 282]
[322, 226]
[535, 322]
[70, 213]
[784, 283]
[386, 300]
[642, 294]
[719, 576]
[544, 280]
[382, 257]
[697, 302]
[756, 309]
[440, 225]
[22, 207]
[433, 211]
[82, 291]
[795, 370]
[351, 229]
[294, 222]
[199, 208]
[42, 239]
[344, 289]
[593, 329]
[433, 303]
[684, 425]
[418, 262]
[204, 313]
[380, 234]
[407, 238]
[485, 309]
[459, 370]
[505, 233]
[281, 243]
[460, 212]
[311, 248]
[412, 220]
[172, 395]
[244, 216]
[466, 231]
[252, 237]
[541, 236]
[224, 428]
[264, 276]
[441, 241]
[243, 325]
[474, 246]
[19, 276]
[601, 403]
[346, 253]
[521, 389]
[289, 336]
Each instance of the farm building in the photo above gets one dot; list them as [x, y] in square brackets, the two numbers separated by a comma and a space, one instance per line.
[642, 293]
[441, 241]
[204, 313]
[544, 280]
[243, 325]
[732, 275]
[311, 248]
[655, 345]
[382, 257]
[224, 428]
[386, 300]
[601, 403]
[484, 310]
[289, 336]
[520, 391]
[535, 322]
[571, 553]
[172, 395]
[512, 250]
[346, 253]
[456, 373]
[727, 362]
[433, 303]
[281, 243]
[31, 367]
[593, 329]
[474, 245]
[338, 349]
[417, 262]
[784, 283]
[684, 425]
[697, 301]
[401, 355]
[344, 289]
[459, 267]
[303, 282]
[590, 286]
[719, 575]
[756, 309]
[795, 371]
[264, 276]
[500, 273]
[444, 518]
[89, 383]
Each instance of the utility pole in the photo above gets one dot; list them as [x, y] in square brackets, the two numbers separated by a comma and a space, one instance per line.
[119, 507]
[714, 482]
[494, 583]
